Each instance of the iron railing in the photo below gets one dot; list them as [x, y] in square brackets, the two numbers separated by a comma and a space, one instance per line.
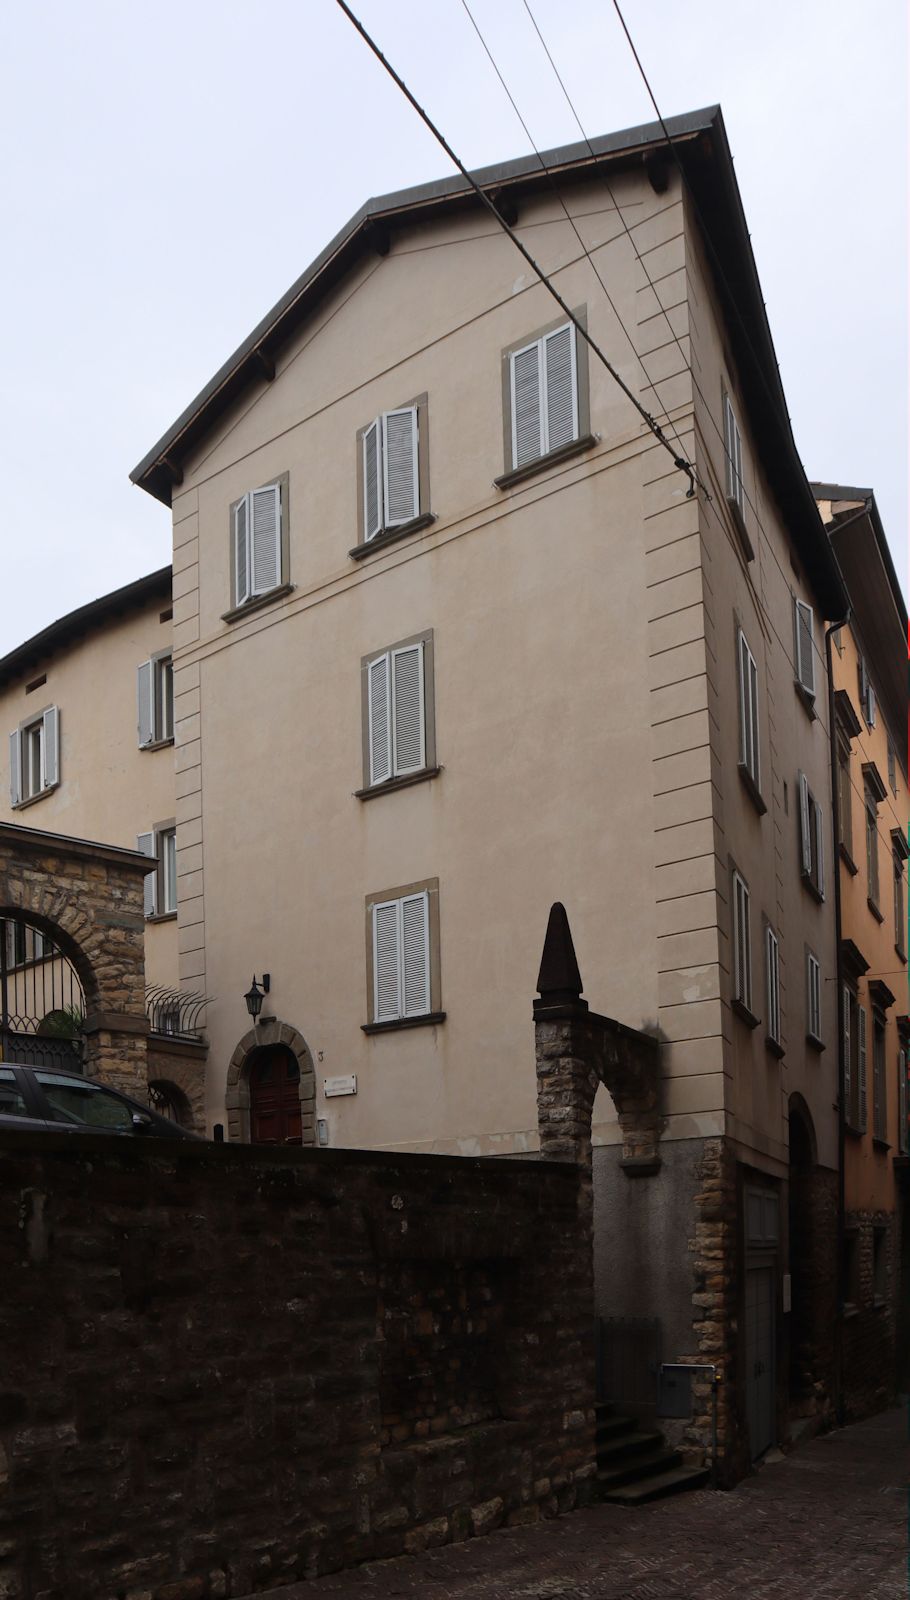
[42, 1006]
[176, 1013]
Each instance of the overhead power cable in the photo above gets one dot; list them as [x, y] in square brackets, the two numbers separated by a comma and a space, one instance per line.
[655, 428]
[571, 220]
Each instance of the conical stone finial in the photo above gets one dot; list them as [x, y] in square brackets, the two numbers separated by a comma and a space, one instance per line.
[559, 980]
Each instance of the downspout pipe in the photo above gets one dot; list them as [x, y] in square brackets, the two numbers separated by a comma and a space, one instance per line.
[841, 1042]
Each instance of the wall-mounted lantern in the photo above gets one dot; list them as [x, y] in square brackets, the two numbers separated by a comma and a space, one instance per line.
[255, 996]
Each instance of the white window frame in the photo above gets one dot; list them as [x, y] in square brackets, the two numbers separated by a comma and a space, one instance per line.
[805, 660]
[813, 996]
[401, 1012]
[386, 522]
[387, 661]
[160, 884]
[246, 586]
[742, 941]
[772, 981]
[540, 345]
[749, 734]
[155, 696]
[866, 693]
[733, 458]
[35, 757]
[812, 838]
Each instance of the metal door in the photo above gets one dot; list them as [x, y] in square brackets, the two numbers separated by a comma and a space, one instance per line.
[760, 1384]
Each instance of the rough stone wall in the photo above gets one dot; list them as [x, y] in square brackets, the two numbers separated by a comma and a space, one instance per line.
[182, 1064]
[870, 1354]
[227, 1368]
[714, 1253]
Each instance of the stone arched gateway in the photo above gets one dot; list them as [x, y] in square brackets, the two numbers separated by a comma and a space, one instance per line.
[271, 1031]
[87, 898]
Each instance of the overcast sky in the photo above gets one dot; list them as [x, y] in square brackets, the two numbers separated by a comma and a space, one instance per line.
[169, 169]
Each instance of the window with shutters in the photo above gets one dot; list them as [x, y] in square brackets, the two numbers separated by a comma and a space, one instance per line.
[749, 735]
[804, 647]
[879, 1101]
[733, 458]
[892, 766]
[399, 724]
[871, 815]
[403, 978]
[866, 693]
[844, 800]
[899, 855]
[34, 757]
[393, 475]
[772, 988]
[742, 946]
[545, 397]
[160, 888]
[259, 546]
[813, 998]
[155, 697]
[812, 839]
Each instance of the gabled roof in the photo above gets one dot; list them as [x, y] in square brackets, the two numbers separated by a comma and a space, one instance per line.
[700, 143]
[85, 619]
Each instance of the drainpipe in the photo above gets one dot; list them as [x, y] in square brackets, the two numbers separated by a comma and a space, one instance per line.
[841, 1103]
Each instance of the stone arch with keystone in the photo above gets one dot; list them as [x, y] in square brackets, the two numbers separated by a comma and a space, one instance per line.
[237, 1093]
[87, 898]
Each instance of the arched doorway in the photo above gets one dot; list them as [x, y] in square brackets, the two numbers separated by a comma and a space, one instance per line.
[42, 1005]
[170, 1101]
[274, 1078]
[803, 1351]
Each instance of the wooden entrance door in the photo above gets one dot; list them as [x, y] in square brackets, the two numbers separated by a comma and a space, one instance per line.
[275, 1096]
[760, 1383]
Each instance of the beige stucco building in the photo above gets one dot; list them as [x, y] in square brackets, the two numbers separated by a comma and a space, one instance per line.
[453, 640]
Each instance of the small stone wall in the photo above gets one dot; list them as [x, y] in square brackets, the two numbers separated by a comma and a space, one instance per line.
[226, 1368]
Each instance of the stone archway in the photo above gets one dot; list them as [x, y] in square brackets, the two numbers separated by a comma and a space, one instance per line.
[87, 898]
[812, 1201]
[271, 1031]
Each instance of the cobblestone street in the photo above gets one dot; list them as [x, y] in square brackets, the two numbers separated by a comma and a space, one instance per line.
[829, 1522]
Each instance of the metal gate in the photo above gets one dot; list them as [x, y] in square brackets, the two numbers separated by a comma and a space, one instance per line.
[42, 1007]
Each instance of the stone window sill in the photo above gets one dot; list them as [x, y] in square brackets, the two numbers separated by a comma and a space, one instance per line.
[158, 744]
[874, 909]
[901, 954]
[237, 613]
[430, 1019]
[850, 1310]
[879, 1303]
[745, 1015]
[814, 1042]
[848, 860]
[774, 1047]
[751, 788]
[856, 1132]
[391, 536]
[575, 447]
[406, 782]
[808, 699]
[32, 799]
[162, 916]
[812, 886]
[880, 1144]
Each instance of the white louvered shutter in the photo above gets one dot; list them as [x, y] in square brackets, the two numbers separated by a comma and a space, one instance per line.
[380, 720]
[848, 1056]
[372, 482]
[820, 847]
[145, 694]
[265, 543]
[146, 844]
[416, 954]
[562, 388]
[400, 488]
[51, 746]
[386, 962]
[241, 551]
[861, 1067]
[804, 832]
[15, 785]
[408, 714]
[805, 650]
[527, 431]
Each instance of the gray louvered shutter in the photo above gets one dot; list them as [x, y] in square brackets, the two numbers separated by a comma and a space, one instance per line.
[848, 1056]
[380, 720]
[386, 964]
[805, 651]
[562, 395]
[416, 954]
[372, 482]
[820, 845]
[241, 551]
[145, 843]
[408, 715]
[145, 694]
[266, 538]
[861, 1067]
[51, 746]
[527, 432]
[15, 786]
[804, 832]
[400, 490]
[730, 447]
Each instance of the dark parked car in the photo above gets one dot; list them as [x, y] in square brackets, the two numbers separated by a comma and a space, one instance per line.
[60, 1102]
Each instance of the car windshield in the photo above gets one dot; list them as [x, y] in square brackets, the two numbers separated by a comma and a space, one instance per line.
[85, 1103]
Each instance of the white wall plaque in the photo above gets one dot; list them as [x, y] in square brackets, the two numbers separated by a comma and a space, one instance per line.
[345, 1085]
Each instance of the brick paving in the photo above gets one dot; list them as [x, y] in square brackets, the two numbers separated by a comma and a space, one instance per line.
[829, 1522]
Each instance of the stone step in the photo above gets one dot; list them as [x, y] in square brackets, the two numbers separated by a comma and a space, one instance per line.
[612, 1427]
[675, 1481]
[638, 1467]
[636, 1442]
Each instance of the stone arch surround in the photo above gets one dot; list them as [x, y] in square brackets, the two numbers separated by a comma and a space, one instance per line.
[237, 1092]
